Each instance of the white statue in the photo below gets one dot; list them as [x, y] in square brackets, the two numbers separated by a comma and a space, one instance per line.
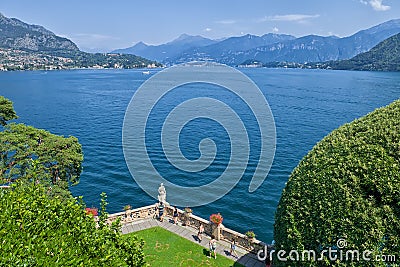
[162, 194]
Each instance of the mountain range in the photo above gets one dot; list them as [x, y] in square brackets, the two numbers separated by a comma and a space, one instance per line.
[266, 48]
[385, 56]
[166, 51]
[25, 46]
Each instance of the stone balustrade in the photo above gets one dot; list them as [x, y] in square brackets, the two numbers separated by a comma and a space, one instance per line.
[190, 220]
[128, 216]
[252, 245]
[220, 232]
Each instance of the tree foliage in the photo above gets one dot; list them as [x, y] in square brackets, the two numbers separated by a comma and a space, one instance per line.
[347, 187]
[7, 112]
[59, 158]
[42, 230]
[41, 223]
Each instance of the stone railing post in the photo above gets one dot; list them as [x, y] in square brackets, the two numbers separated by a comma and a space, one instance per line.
[216, 230]
[218, 234]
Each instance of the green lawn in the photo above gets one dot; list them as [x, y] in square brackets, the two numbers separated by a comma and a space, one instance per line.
[163, 248]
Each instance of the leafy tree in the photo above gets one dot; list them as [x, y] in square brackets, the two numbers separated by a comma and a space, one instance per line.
[347, 187]
[6, 111]
[42, 230]
[60, 158]
[41, 223]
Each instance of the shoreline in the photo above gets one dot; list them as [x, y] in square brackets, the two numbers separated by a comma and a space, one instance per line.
[81, 68]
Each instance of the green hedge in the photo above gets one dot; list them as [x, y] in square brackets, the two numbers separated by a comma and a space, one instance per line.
[37, 229]
[347, 187]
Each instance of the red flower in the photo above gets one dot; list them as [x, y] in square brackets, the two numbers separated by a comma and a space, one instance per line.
[216, 218]
[92, 211]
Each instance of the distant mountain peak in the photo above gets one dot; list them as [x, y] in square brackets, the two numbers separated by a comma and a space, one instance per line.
[140, 45]
[391, 22]
[16, 34]
[183, 36]
[250, 36]
[394, 23]
[31, 47]
[167, 50]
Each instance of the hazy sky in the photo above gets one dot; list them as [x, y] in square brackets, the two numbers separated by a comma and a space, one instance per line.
[106, 25]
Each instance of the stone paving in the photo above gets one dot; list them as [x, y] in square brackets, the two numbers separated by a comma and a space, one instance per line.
[245, 258]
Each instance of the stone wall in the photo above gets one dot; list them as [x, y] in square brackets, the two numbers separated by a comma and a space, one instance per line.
[190, 220]
[147, 212]
[221, 233]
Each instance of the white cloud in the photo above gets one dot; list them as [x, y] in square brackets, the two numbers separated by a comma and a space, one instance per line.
[377, 5]
[294, 17]
[275, 29]
[226, 21]
[301, 18]
[207, 29]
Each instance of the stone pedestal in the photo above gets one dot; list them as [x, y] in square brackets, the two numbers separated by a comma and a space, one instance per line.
[186, 218]
[216, 231]
[128, 217]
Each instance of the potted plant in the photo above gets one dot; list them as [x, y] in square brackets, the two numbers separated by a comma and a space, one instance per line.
[188, 210]
[250, 235]
[91, 211]
[216, 218]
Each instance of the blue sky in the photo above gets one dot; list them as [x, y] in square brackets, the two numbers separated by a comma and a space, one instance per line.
[106, 25]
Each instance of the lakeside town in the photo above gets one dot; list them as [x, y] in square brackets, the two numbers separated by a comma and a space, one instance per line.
[17, 59]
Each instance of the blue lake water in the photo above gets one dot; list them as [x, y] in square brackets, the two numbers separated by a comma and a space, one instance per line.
[90, 104]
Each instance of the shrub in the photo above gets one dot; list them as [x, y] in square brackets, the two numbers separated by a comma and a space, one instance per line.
[347, 187]
[250, 234]
[42, 230]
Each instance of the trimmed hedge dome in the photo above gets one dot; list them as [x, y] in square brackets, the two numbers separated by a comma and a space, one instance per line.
[347, 187]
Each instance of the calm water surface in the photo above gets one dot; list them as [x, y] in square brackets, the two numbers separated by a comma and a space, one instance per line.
[90, 104]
